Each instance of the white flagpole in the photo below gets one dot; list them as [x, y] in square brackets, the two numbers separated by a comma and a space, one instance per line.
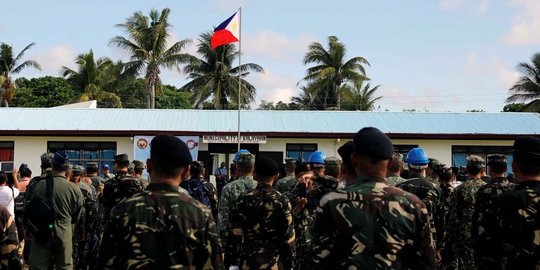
[240, 71]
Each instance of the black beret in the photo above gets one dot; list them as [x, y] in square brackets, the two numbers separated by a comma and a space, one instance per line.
[345, 151]
[92, 166]
[137, 164]
[371, 142]
[527, 147]
[60, 159]
[169, 151]
[265, 166]
[496, 159]
[121, 158]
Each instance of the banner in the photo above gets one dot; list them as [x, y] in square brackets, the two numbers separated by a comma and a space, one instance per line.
[233, 139]
[141, 145]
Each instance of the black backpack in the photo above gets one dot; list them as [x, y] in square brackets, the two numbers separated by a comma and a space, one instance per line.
[41, 214]
[198, 191]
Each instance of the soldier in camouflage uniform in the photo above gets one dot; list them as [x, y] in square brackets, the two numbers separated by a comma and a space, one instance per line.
[431, 171]
[261, 233]
[230, 193]
[394, 172]
[371, 225]
[484, 213]
[46, 169]
[98, 182]
[461, 214]
[9, 241]
[425, 190]
[138, 168]
[121, 186]
[332, 167]
[347, 170]
[285, 183]
[87, 223]
[517, 238]
[447, 258]
[162, 228]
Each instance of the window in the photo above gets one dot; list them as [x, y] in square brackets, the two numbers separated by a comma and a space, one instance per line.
[300, 150]
[460, 153]
[403, 148]
[6, 156]
[83, 152]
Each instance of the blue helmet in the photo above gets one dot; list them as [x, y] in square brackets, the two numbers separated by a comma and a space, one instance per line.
[242, 151]
[417, 156]
[317, 157]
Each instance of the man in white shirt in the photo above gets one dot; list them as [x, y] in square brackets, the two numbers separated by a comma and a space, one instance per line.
[8, 194]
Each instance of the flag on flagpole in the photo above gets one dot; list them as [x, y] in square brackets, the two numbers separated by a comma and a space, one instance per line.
[227, 32]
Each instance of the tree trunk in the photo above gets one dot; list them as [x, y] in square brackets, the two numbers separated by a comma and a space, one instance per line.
[151, 98]
[338, 96]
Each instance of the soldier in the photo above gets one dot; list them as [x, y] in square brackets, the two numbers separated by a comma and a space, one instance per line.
[426, 190]
[107, 175]
[332, 167]
[316, 161]
[67, 201]
[518, 211]
[92, 170]
[88, 222]
[286, 182]
[447, 258]
[484, 211]
[347, 170]
[371, 225]
[245, 165]
[200, 190]
[9, 241]
[394, 172]
[261, 230]
[46, 169]
[138, 169]
[461, 214]
[431, 171]
[121, 186]
[162, 228]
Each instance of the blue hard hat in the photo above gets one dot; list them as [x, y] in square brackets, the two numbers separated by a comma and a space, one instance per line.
[317, 157]
[417, 156]
[242, 151]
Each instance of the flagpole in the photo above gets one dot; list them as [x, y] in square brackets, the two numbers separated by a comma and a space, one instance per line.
[240, 72]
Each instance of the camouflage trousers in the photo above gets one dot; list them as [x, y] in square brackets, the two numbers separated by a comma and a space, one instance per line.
[466, 259]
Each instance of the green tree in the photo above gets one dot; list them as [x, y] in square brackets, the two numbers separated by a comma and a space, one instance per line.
[147, 44]
[266, 106]
[87, 80]
[527, 88]
[359, 97]
[43, 92]
[514, 107]
[213, 77]
[172, 98]
[10, 66]
[331, 65]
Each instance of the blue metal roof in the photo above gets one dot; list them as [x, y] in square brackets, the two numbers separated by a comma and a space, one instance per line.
[255, 121]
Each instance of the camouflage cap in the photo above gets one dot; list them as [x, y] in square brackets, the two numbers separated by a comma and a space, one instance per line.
[475, 161]
[138, 165]
[433, 163]
[332, 162]
[92, 166]
[77, 168]
[46, 159]
[496, 159]
[246, 158]
[290, 161]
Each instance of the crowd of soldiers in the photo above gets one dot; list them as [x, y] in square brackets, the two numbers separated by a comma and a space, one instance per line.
[371, 209]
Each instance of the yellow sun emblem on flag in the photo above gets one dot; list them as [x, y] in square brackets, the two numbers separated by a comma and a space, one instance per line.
[235, 26]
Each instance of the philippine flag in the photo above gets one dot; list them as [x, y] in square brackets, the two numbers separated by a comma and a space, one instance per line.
[227, 32]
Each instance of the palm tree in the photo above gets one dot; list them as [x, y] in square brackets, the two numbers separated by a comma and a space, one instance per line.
[213, 76]
[10, 66]
[147, 44]
[527, 88]
[88, 77]
[331, 65]
[359, 97]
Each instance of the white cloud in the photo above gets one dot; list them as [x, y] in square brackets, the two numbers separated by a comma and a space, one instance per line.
[526, 23]
[476, 6]
[276, 46]
[55, 58]
[273, 87]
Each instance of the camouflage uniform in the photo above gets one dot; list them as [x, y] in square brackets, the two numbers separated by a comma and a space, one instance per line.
[395, 180]
[86, 227]
[484, 217]
[518, 237]
[460, 222]
[118, 188]
[261, 230]
[284, 184]
[371, 225]
[229, 195]
[9, 240]
[430, 194]
[449, 260]
[160, 228]
[97, 180]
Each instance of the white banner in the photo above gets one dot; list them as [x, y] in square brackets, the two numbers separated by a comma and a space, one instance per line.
[233, 139]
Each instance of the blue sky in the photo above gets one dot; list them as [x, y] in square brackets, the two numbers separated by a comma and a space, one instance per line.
[438, 55]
